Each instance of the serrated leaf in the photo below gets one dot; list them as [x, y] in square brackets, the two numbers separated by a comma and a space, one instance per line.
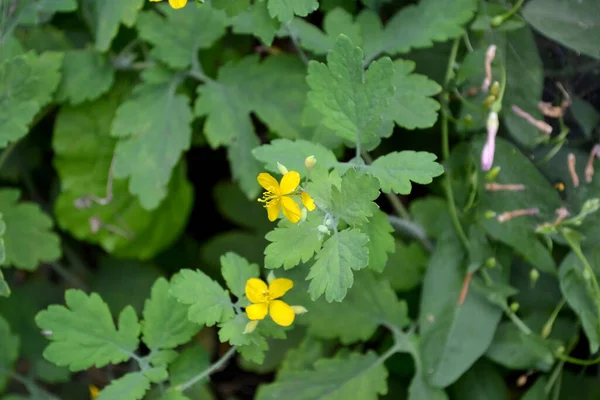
[156, 374]
[353, 103]
[86, 75]
[236, 271]
[292, 243]
[83, 152]
[353, 202]
[396, 170]
[28, 239]
[131, 386]
[26, 85]
[358, 376]
[252, 346]
[292, 154]
[165, 323]
[153, 127]
[574, 24]
[284, 10]
[412, 106]
[321, 183]
[332, 273]
[381, 241]
[9, 351]
[32, 12]
[255, 20]
[109, 15]
[83, 333]
[179, 35]
[209, 302]
[231, 7]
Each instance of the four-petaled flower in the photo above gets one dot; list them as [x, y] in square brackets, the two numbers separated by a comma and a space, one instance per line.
[175, 3]
[279, 196]
[264, 300]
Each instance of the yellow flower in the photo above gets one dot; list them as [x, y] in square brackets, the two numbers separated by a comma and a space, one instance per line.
[264, 300]
[279, 196]
[175, 3]
[94, 391]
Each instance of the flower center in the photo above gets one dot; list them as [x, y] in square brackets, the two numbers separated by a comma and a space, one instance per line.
[266, 296]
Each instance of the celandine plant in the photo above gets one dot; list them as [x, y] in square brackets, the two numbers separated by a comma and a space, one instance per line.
[123, 279]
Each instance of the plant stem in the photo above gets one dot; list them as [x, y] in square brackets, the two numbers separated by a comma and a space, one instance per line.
[68, 276]
[296, 44]
[412, 230]
[6, 153]
[513, 10]
[213, 368]
[446, 147]
[576, 247]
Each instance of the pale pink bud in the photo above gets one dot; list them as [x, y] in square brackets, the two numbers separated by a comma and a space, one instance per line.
[487, 155]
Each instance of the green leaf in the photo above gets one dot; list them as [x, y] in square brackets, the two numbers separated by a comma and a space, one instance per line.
[165, 323]
[252, 346]
[381, 241]
[406, 266]
[236, 271]
[293, 243]
[292, 154]
[9, 351]
[190, 362]
[321, 183]
[209, 302]
[453, 336]
[235, 207]
[336, 22]
[332, 273]
[231, 7]
[33, 12]
[577, 287]
[131, 386]
[519, 233]
[142, 123]
[86, 75]
[284, 10]
[353, 103]
[26, 85]
[83, 333]
[109, 15]
[395, 170]
[537, 391]
[83, 152]
[586, 115]
[358, 376]
[482, 381]
[28, 239]
[353, 202]
[412, 106]
[179, 35]
[574, 24]
[4, 289]
[256, 21]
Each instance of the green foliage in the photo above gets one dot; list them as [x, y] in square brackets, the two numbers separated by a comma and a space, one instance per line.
[10, 351]
[285, 10]
[132, 386]
[109, 14]
[86, 75]
[292, 243]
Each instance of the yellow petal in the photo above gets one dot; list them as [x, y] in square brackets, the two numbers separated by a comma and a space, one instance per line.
[155, 0]
[290, 209]
[177, 3]
[290, 182]
[269, 183]
[257, 311]
[273, 209]
[256, 290]
[279, 287]
[281, 313]
[308, 202]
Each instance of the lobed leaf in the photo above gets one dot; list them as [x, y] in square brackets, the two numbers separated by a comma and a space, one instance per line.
[381, 241]
[292, 243]
[236, 271]
[292, 154]
[354, 202]
[86, 75]
[109, 14]
[131, 386]
[284, 10]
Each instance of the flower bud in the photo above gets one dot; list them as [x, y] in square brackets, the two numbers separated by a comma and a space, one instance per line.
[489, 214]
[492, 174]
[514, 307]
[534, 275]
[497, 20]
[270, 277]
[487, 103]
[95, 224]
[323, 229]
[495, 89]
[310, 162]
[282, 169]
[250, 327]
[490, 262]
[303, 214]
[299, 310]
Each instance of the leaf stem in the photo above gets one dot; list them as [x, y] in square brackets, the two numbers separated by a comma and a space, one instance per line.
[68, 276]
[512, 11]
[31, 386]
[6, 153]
[446, 147]
[296, 44]
[411, 229]
[576, 247]
[213, 368]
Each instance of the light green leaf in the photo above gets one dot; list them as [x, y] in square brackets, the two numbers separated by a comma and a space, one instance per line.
[406, 266]
[336, 22]
[190, 362]
[86, 75]
[353, 202]
[292, 154]
[574, 24]
[179, 35]
[332, 273]
[131, 386]
[165, 323]
[153, 127]
[284, 10]
[236, 271]
[33, 12]
[353, 103]
[395, 170]
[321, 183]
[9, 351]
[482, 381]
[252, 346]
[231, 7]
[83, 333]
[209, 302]
[28, 239]
[109, 14]
[83, 152]
[412, 106]
[256, 21]
[358, 376]
[293, 243]
[381, 241]
[26, 85]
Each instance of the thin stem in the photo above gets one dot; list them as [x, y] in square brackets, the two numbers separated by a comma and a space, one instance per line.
[68, 276]
[578, 361]
[31, 386]
[213, 368]
[6, 153]
[296, 44]
[512, 11]
[547, 329]
[517, 321]
[446, 147]
[412, 230]
[577, 250]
